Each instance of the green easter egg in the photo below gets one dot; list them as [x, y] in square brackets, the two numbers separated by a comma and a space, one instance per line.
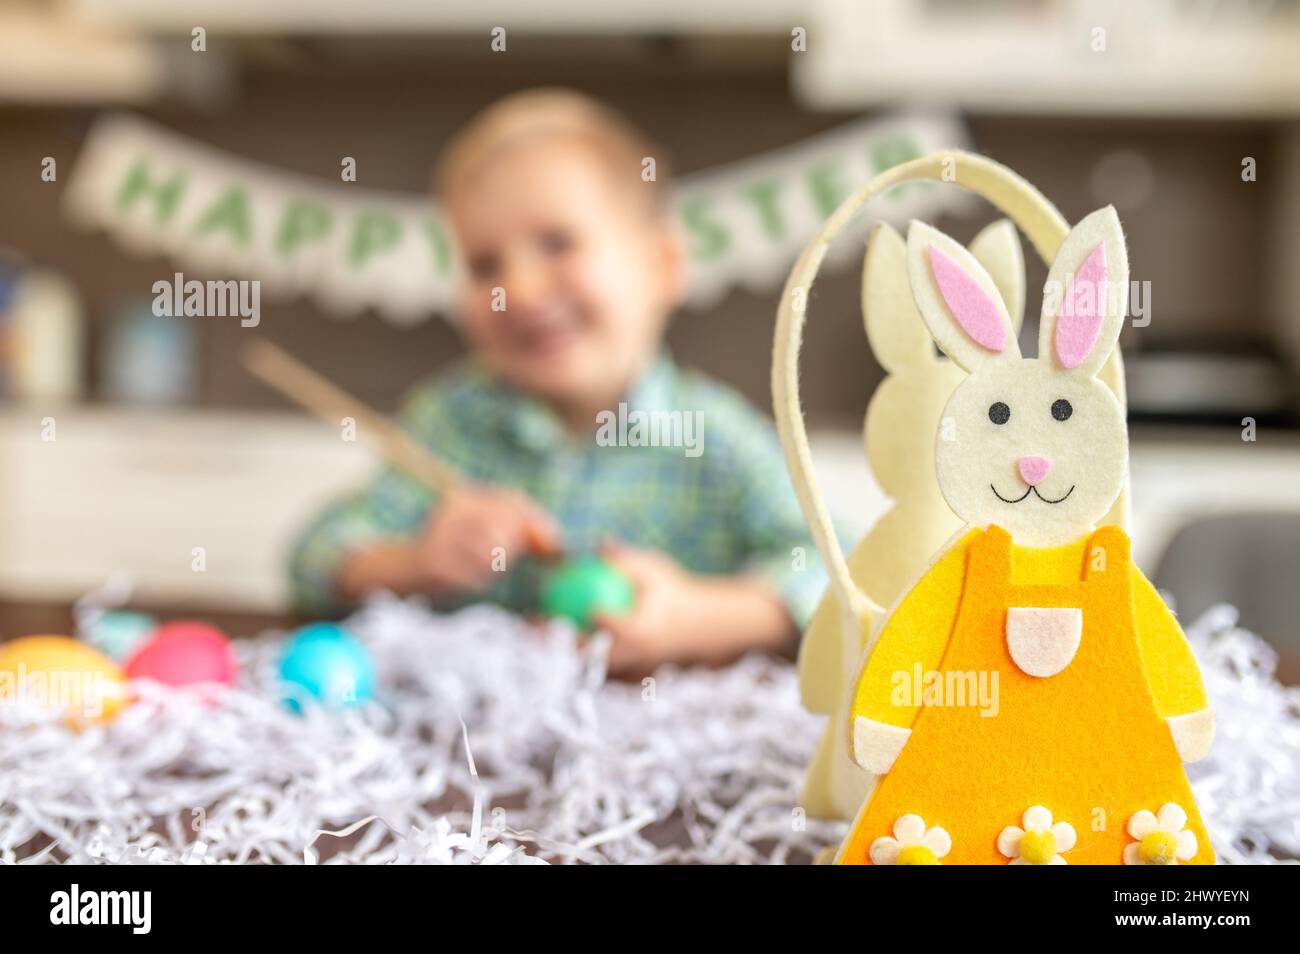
[584, 588]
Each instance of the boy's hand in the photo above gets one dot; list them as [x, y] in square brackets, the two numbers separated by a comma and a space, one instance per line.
[649, 634]
[685, 618]
[455, 551]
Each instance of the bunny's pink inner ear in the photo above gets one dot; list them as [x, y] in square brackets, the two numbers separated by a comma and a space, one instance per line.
[974, 310]
[1080, 321]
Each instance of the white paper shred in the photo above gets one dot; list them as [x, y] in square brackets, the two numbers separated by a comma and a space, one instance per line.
[1248, 787]
[495, 742]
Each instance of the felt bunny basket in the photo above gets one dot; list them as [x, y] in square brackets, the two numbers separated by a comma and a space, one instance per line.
[1029, 699]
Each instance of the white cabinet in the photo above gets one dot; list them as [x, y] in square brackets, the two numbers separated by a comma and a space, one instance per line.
[1090, 57]
[138, 491]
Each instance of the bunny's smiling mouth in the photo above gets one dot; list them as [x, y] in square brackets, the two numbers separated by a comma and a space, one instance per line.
[1034, 491]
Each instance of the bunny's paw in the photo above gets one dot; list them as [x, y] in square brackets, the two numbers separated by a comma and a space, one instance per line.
[876, 744]
[1193, 734]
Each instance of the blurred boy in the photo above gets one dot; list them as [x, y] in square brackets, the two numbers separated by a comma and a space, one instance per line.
[571, 268]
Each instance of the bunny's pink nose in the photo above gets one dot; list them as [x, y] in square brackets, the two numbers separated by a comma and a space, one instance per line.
[1034, 469]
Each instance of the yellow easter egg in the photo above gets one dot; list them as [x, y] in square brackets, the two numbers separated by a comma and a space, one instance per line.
[61, 673]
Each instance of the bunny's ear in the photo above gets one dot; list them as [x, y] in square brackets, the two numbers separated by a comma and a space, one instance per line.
[997, 248]
[898, 338]
[1086, 295]
[959, 302]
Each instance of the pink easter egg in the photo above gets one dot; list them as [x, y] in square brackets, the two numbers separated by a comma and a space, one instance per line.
[183, 653]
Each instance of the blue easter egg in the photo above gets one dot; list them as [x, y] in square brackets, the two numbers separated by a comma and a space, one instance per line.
[329, 664]
[118, 633]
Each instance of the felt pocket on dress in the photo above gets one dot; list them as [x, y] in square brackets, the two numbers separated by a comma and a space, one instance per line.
[1043, 640]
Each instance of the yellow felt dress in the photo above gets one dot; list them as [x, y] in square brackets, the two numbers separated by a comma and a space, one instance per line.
[1088, 745]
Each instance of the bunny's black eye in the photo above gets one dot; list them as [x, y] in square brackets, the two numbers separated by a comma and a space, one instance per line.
[999, 413]
[1061, 409]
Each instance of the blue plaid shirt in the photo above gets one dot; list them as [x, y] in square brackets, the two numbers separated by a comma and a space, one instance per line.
[730, 509]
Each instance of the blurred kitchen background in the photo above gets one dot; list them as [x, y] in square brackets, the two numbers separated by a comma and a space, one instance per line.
[1185, 115]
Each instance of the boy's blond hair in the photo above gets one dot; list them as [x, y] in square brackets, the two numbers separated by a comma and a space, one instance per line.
[546, 114]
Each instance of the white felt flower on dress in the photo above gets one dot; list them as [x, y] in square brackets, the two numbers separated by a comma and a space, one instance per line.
[1160, 839]
[912, 844]
[1040, 842]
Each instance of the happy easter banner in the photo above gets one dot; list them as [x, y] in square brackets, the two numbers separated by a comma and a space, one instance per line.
[349, 248]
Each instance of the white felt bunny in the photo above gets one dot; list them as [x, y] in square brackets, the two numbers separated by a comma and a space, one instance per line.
[901, 420]
[1096, 697]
